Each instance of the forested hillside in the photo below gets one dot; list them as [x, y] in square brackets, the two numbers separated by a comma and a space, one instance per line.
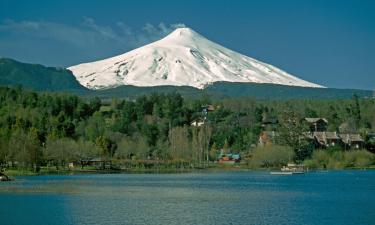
[37, 77]
[54, 129]
[220, 90]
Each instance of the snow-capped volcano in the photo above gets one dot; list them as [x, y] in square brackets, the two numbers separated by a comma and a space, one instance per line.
[183, 58]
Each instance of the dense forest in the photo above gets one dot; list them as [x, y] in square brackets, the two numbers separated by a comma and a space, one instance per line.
[50, 129]
[37, 77]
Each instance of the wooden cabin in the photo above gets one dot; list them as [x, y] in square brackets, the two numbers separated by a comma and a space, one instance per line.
[370, 142]
[352, 141]
[325, 139]
[317, 124]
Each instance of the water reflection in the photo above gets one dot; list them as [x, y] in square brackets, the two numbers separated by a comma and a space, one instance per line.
[208, 198]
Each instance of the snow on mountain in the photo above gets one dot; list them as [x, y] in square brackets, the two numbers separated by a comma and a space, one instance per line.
[183, 58]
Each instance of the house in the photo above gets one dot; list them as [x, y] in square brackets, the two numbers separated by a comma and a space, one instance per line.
[317, 124]
[71, 165]
[4, 177]
[229, 158]
[325, 139]
[267, 137]
[352, 141]
[370, 142]
[105, 110]
[201, 121]
[197, 123]
[270, 123]
[96, 162]
[209, 108]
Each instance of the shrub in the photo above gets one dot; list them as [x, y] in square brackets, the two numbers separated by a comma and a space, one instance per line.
[362, 158]
[271, 156]
[336, 160]
[322, 159]
[311, 164]
[335, 164]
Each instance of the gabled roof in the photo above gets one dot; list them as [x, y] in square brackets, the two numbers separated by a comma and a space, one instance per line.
[349, 138]
[314, 120]
[331, 135]
[323, 137]
[209, 108]
[270, 120]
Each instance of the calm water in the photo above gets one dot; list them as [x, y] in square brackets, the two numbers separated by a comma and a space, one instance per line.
[346, 197]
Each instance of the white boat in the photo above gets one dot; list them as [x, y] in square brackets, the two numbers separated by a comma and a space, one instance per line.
[281, 173]
[290, 169]
[4, 177]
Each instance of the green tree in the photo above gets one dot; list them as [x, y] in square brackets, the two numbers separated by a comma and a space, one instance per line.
[61, 151]
[106, 146]
[179, 143]
[271, 156]
[292, 132]
[151, 133]
[226, 149]
[355, 110]
[214, 152]
[201, 137]
[132, 148]
[94, 127]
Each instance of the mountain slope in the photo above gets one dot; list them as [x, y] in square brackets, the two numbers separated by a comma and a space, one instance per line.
[183, 58]
[41, 78]
[221, 90]
[37, 77]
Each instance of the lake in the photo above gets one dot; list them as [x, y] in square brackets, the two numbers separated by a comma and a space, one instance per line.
[342, 197]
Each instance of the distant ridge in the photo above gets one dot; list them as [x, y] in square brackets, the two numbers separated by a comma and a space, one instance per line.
[37, 77]
[220, 90]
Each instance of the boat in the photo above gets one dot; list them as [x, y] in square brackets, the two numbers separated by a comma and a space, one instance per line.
[4, 177]
[281, 173]
[290, 169]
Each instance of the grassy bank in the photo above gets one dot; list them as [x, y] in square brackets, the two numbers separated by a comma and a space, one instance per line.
[323, 159]
[212, 168]
[265, 158]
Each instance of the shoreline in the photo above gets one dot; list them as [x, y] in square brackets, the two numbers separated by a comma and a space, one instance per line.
[19, 173]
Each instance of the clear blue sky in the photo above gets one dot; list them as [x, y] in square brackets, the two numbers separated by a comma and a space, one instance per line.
[330, 42]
